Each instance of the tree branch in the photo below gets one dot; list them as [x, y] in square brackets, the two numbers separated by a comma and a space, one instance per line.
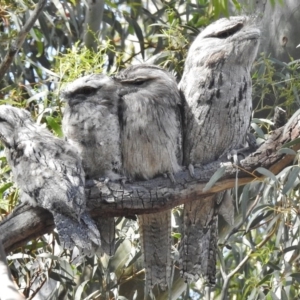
[114, 199]
[18, 42]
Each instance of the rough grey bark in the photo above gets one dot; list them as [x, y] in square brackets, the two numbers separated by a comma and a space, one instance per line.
[279, 26]
[49, 174]
[151, 145]
[93, 19]
[217, 87]
[90, 124]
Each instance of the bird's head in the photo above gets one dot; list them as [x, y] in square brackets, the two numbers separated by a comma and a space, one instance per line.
[11, 120]
[234, 40]
[97, 88]
[148, 80]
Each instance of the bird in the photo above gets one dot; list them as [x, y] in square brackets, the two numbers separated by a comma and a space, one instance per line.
[49, 174]
[150, 124]
[90, 123]
[216, 87]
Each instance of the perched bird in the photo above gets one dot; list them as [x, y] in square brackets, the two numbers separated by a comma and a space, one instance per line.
[151, 145]
[49, 174]
[217, 87]
[90, 123]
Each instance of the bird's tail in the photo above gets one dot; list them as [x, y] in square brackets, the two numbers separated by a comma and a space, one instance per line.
[155, 231]
[84, 234]
[198, 246]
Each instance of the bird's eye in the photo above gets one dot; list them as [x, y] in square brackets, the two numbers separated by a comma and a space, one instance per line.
[87, 90]
[228, 32]
[139, 82]
[135, 81]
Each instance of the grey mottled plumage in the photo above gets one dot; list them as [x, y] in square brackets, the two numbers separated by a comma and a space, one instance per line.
[49, 174]
[217, 87]
[91, 125]
[151, 146]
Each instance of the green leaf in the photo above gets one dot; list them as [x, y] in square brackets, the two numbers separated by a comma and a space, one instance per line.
[54, 126]
[291, 248]
[262, 121]
[48, 255]
[258, 130]
[118, 261]
[287, 151]
[245, 200]
[272, 296]
[283, 294]
[109, 18]
[237, 5]
[293, 175]
[262, 213]
[267, 173]
[40, 47]
[296, 276]
[56, 275]
[267, 279]
[5, 187]
[80, 290]
[176, 235]
[273, 266]
[292, 143]
[217, 175]
[138, 32]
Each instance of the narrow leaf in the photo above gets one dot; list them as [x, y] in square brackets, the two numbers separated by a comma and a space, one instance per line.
[267, 173]
[286, 151]
[245, 200]
[217, 175]
[138, 32]
[54, 125]
[80, 290]
[291, 180]
[292, 143]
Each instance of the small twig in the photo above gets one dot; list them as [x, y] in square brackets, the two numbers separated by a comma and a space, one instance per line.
[37, 289]
[18, 42]
[132, 276]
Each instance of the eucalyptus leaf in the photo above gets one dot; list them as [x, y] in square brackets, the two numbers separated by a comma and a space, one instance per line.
[217, 175]
[293, 175]
[267, 173]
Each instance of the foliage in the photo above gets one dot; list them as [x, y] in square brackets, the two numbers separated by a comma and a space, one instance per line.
[276, 83]
[259, 261]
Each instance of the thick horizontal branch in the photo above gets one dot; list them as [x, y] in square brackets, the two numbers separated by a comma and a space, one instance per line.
[114, 199]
